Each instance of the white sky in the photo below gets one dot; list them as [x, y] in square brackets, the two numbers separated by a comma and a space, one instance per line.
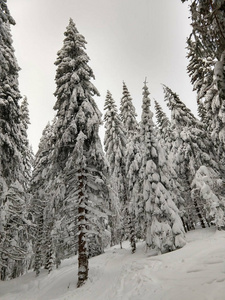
[127, 40]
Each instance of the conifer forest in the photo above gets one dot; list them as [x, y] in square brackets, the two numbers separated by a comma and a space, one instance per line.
[150, 180]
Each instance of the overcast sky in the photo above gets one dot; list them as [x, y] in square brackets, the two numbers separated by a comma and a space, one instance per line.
[128, 40]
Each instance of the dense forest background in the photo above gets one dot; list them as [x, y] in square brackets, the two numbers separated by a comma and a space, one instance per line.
[151, 182]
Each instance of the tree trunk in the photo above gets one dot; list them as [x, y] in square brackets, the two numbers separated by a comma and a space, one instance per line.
[199, 214]
[38, 250]
[132, 232]
[82, 236]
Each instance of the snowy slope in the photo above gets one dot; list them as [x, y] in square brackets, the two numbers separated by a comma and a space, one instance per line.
[195, 272]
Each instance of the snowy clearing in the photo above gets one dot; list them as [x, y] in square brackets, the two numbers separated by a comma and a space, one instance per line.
[194, 272]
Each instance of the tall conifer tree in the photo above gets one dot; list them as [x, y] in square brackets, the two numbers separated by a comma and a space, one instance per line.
[128, 116]
[78, 159]
[206, 45]
[192, 148]
[115, 149]
[128, 113]
[13, 182]
[164, 229]
[41, 208]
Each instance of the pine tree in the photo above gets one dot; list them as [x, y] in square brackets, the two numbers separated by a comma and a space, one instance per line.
[215, 107]
[128, 113]
[78, 158]
[133, 165]
[166, 137]
[202, 112]
[38, 258]
[192, 148]
[208, 25]
[40, 201]
[200, 67]
[13, 182]
[28, 156]
[207, 54]
[164, 128]
[207, 189]
[128, 117]
[49, 255]
[115, 145]
[164, 230]
[162, 119]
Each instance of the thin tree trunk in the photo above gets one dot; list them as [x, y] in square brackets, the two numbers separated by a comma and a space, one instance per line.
[132, 234]
[186, 228]
[199, 214]
[38, 250]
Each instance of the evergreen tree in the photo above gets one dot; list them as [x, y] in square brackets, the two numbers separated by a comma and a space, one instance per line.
[215, 106]
[78, 159]
[115, 136]
[207, 53]
[192, 148]
[136, 212]
[166, 137]
[202, 112]
[164, 128]
[162, 119]
[200, 67]
[128, 117]
[128, 113]
[28, 156]
[38, 258]
[115, 145]
[13, 182]
[136, 222]
[208, 25]
[207, 189]
[40, 201]
[164, 230]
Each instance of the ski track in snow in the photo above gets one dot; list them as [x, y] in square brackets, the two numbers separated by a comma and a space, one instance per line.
[195, 272]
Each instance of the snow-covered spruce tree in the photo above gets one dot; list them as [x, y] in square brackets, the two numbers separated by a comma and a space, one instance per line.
[215, 108]
[28, 160]
[183, 120]
[78, 160]
[207, 187]
[208, 29]
[207, 18]
[192, 148]
[115, 147]
[164, 229]
[128, 117]
[202, 112]
[165, 138]
[200, 67]
[162, 119]
[28, 156]
[200, 70]
[164, 127]
[41, 202]
[127, 113]
[136, 212]
[49, 254]
[207, 77]
[13, 210]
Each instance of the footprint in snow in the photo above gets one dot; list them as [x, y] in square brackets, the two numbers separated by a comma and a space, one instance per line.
[194, 270]
[212, 262]
[215, 280]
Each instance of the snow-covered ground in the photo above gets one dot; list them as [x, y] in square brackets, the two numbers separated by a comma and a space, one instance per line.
[195, 272]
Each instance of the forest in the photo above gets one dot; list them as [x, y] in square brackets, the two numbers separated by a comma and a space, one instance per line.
[148, 181]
